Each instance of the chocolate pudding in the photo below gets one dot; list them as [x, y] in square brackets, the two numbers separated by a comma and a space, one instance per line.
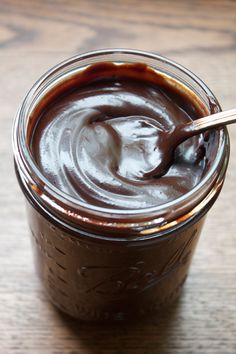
[101, 140]
[112, 238]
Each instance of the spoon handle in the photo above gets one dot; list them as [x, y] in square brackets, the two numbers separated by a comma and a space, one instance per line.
[214, 120]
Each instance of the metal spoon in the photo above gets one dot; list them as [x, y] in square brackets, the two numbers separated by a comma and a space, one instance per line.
[169, 140]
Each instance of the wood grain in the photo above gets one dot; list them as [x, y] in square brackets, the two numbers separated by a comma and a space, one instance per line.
[35, 35]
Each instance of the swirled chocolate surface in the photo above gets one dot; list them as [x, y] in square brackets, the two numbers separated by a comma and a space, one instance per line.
[100, 140]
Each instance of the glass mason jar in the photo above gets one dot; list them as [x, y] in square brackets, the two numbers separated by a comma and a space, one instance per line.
[104, 264]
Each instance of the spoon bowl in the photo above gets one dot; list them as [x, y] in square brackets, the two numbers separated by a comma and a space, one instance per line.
[169, 140]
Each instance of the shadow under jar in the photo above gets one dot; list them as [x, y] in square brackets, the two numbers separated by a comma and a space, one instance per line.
[129, 258]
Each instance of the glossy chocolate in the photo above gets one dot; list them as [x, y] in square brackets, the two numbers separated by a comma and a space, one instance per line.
[101, 139]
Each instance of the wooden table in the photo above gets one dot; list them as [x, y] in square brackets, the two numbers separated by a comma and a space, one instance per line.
[35, 35]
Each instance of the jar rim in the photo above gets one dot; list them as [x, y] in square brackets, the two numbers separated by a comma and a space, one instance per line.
[49, 194]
